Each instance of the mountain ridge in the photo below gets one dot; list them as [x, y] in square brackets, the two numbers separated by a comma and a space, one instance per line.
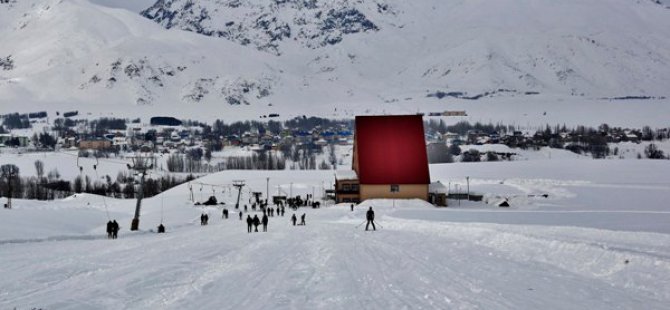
[291, 54]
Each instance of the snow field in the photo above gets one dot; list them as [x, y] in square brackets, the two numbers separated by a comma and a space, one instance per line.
[550, 253]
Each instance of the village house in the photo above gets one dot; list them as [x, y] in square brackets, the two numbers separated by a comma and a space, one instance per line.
[94, 144]
[9, 139]
[346, 187]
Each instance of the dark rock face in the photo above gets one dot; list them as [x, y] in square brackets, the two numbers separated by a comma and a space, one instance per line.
[266, 23]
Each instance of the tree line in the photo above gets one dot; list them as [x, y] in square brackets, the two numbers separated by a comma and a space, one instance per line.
[50, 186]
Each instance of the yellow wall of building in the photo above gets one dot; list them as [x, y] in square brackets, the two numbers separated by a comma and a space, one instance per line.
[407, 191]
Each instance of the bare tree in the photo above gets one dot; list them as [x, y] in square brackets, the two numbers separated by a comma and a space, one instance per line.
[10, 173]
[39, 168]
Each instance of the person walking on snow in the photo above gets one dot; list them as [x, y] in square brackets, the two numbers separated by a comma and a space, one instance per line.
[302, 219]
[352, 207]
[257, 222]
[294, 219]
[115, 229]
[249, 223]
[109, 229]
[240, 215]
[265, 222]
[370, 216]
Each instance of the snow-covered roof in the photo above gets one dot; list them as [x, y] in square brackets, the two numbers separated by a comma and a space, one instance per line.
[437, 188]
[346, 175]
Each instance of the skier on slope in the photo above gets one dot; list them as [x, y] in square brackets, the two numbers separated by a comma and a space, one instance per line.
[370, 216]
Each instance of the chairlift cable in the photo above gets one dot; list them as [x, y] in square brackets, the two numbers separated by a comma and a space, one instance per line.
[97, 176]
[162, 198]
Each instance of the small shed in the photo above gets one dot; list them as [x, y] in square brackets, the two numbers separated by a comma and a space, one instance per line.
[503, 204]
[437, 194]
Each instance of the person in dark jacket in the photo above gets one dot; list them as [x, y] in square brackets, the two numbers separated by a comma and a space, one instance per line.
[302, 219]
[257, 222]
[265, 222]
[240, 215]
[110, 225]
[352, 207]
[294, 219]
[161, 229]
[225, 213]
[115, 229]
[249, 223]
[370, 216]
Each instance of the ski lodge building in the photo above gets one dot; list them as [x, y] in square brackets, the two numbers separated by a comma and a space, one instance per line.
[389, 162]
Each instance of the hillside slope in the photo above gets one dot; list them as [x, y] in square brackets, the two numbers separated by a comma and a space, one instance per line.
[256, 57]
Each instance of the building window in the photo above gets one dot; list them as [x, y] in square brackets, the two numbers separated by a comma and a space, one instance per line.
[395, 188]
[354, 187]
[346, 187]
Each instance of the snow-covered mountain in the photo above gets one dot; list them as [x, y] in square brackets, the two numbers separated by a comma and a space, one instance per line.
[287, 56]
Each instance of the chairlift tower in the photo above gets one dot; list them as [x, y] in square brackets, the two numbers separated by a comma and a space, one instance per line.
[238, 184]
[141, 165]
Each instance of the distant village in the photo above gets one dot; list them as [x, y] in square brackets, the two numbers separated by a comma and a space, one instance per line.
[303, 143]
[70, 131]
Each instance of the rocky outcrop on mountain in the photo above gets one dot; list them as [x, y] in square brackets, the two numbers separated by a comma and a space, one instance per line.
[266, 24]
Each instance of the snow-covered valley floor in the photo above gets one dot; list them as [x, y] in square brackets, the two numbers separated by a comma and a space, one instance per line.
[601, 240]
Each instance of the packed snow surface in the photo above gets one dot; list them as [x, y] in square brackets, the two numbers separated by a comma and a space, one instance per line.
[599, 240]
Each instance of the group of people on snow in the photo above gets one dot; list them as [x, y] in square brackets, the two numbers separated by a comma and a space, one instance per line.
[255, 222]
[294, 219]
[204, 218]
[112, 229]
[252, 222]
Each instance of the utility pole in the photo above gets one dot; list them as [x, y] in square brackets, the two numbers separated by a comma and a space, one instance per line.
[267, 191]
[290, 190]
[458, 194]
[141, 166]
[238, 184]
[467, 179]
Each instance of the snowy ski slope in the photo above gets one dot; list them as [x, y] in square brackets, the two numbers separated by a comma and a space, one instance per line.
[553, 255]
